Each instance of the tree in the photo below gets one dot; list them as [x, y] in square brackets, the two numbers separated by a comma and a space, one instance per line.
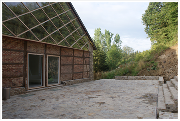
[107, 56]
[127, 51]
[108, 38]
[117, 40]
[161, 21]
[113, 56]
[98, 38]
[100, 63]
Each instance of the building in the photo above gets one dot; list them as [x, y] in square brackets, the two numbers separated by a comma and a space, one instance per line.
[44, 44]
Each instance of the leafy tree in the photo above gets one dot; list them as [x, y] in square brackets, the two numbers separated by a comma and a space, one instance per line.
[100, 63]
[127, 52]
[117, 40]
[161, 21]
[98, 37]
[113, 56]
[107, 56]
[108, 38]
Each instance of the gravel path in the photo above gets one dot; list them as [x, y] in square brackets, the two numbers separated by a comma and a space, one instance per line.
[100, 99]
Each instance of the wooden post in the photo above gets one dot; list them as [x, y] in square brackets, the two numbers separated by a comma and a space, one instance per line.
[25, 80]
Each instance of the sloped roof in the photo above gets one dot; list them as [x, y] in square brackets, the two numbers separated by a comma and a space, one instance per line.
[51, 22]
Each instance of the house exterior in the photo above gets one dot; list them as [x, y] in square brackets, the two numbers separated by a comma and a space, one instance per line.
[44, 44]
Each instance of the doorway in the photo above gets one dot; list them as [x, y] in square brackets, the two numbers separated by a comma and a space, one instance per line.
[35, 70]
[53, 70]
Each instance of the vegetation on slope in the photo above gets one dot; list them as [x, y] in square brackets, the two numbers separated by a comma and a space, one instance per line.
[161, 21]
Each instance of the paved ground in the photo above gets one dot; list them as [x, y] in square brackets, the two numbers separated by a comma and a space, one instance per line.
[100, 99]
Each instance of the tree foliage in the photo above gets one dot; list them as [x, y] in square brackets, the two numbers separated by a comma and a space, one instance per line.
[161, 21]
[107, 55]
[113, 56]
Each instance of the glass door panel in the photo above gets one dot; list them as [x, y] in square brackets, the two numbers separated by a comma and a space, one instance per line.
[35, 64]
[53, 70]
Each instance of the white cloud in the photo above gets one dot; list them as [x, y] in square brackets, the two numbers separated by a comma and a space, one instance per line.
[136, 44]
[123, 18]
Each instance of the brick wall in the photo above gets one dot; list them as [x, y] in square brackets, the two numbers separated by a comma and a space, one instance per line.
[74, 63]
[12, 62]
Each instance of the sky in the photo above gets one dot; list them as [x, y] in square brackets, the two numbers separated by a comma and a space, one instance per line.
[123, 18]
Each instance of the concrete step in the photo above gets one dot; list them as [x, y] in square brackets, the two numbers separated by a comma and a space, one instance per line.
[170, 104]
[174, 94]
[161, 102]
[43, 88]
[176, 78]
[167, 115]
[175, 83]
[169, 84]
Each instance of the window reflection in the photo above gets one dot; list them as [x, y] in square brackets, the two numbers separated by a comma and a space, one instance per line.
[70, 40]
[65, 7]
[64, 43]
[49, 27]
[70, 27]
[15, 26]
[75, 46]
[57, 8]
[5, 31]
[81, 32]
[17, 7]
[64, 18]
[31, 5]
[76, 35]
[28, 35]
[39, 32]
[43, 3]
[49, 40]
[80, 42]
[70, 15]
[20, 9]
[6, 13]
[39, 14]
[29, 20]
[57, 36]
[49, 11]
[53, 70]
[57, 22]
[64, 31]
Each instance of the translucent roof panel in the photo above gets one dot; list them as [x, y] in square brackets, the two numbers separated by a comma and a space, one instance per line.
[49, 22]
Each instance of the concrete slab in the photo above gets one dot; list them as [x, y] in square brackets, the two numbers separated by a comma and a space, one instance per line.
[174, 94]
[175, 83]
[170, 105]
[161, 102]
[176, 78]
[169, 84]
[100, 99]
[168, 115]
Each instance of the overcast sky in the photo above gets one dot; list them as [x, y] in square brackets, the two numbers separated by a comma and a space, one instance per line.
[123, 18]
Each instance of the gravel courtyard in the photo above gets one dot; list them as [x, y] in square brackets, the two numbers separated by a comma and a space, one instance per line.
[100, 99]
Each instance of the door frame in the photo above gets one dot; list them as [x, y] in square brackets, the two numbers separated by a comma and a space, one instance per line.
[43, 71]
[59, 81]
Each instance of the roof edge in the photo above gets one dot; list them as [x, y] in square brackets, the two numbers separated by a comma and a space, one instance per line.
[79, 19]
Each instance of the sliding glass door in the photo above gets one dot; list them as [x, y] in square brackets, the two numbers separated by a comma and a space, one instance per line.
[35, 71]
[53, 70]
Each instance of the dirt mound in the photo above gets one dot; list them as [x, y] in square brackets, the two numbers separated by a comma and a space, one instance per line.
[167, 65]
